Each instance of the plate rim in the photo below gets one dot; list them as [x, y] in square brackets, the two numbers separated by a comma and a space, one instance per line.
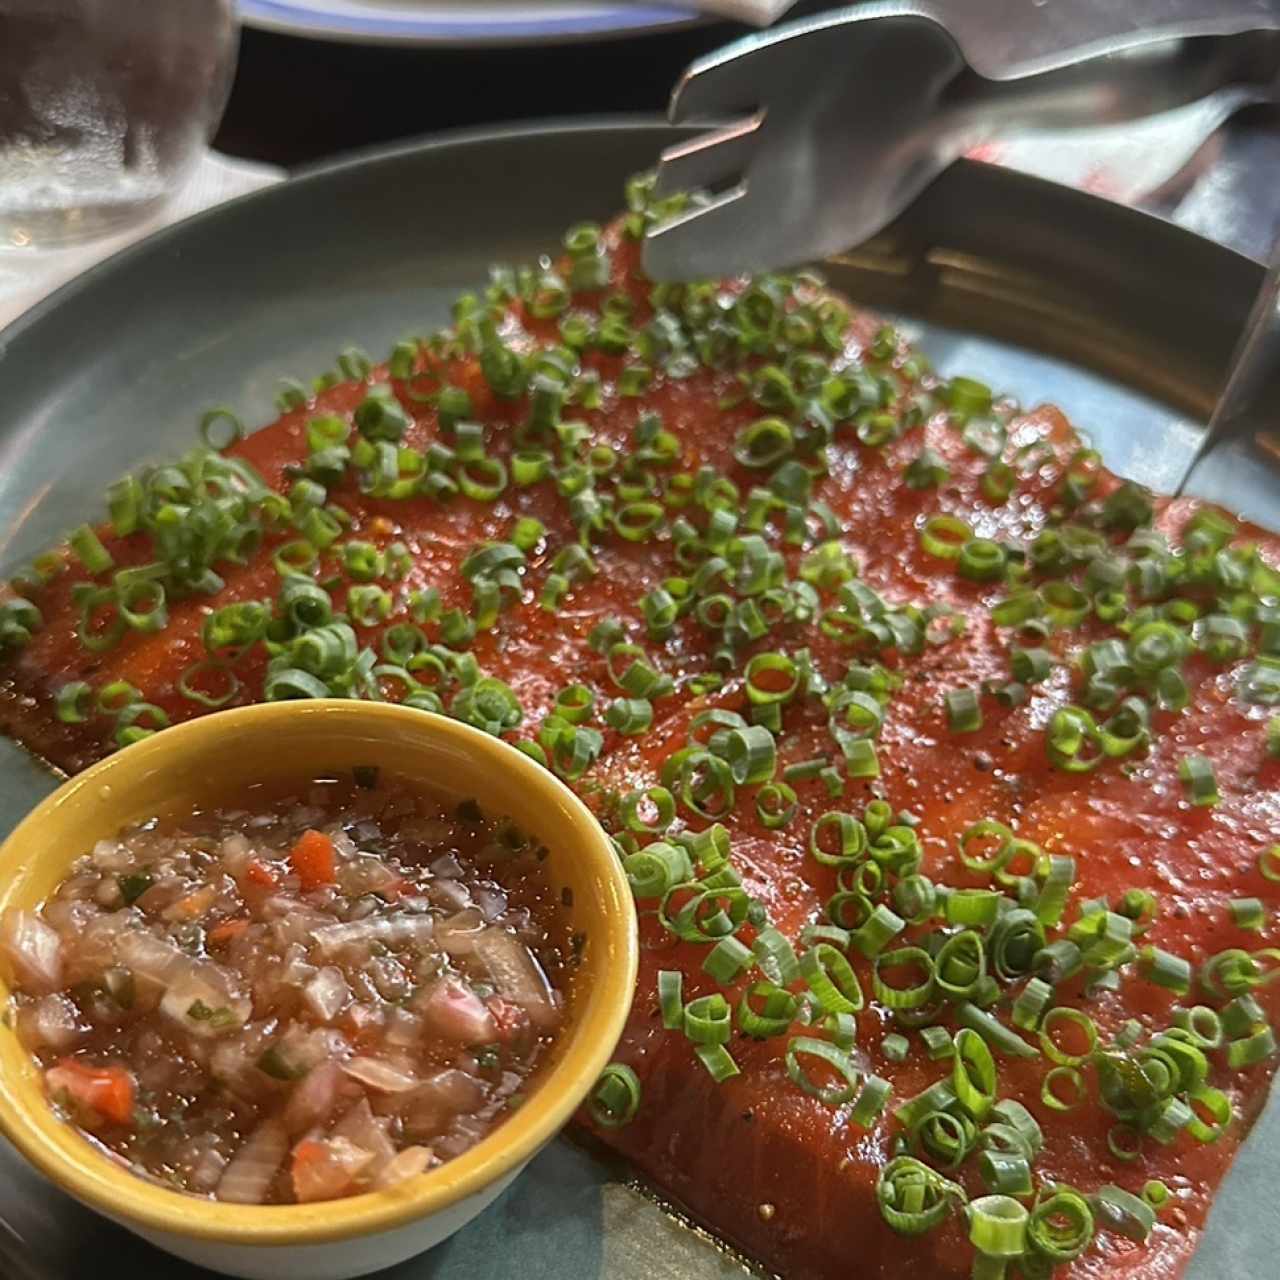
[616, 21]
[471, 135]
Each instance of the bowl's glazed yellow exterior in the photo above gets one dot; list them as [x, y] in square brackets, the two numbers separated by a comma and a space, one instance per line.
[205, 760]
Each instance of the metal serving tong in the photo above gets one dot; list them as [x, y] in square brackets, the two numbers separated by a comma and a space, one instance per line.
[838, 123]
[1238, 457]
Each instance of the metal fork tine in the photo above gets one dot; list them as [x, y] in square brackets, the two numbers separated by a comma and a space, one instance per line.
[710, 159]
[866, 106]
[677, 249]
[722, 84]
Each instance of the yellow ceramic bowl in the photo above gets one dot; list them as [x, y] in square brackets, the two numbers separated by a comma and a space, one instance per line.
[203, 760]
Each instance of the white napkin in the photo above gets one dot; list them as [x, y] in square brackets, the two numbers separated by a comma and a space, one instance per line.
[28, 275]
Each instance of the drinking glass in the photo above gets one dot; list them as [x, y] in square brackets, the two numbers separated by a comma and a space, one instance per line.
[105, 108]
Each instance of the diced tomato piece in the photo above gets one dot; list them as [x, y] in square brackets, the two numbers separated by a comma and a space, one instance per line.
[104, 1091]
[394, 890]
[511, 1019]
[226, 931]
[193, 906]
[324, 1168]
[261, 875]
[314, 859]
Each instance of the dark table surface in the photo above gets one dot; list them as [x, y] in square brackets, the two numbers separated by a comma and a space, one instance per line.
[296, 101]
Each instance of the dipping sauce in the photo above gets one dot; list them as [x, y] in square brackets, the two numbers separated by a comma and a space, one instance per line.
[295, 997]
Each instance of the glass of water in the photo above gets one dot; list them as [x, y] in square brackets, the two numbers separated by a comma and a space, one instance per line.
[105, 107]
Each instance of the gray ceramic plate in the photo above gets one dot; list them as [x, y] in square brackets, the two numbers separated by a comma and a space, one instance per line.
[1124, 321]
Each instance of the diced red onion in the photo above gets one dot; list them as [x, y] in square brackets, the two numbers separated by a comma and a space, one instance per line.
[326, 993]
[111, 855]
[34, 950]
[53, 1022]
[151, 958]
[189, 990]
[404, 1029]
[518, 976]
[454, 1012]
[491, 902]
[361, 1126]
[457, 934]
[379, 1075]
[407, 1164]
[389, 930]
[248, 1177]
[446, 866]
[314, 1098]
[431, 1107]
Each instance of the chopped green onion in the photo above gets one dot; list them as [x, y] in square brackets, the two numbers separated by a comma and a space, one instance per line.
[964, 714]
[726, 960]
[938, 1043]
[1055, 1081]
[982, 560]
[1004, 1173]
[226, 681]
[1165, 969]
[89, 550]
[629, 716]
[829, 1056]
[717, 1060]
[1269, 863]
[1122, 1212]
[944, 536]
[1252, 1049]
[872, 1100]
[776, 805]
[615, 1099]
[1031, 1003]
[1247, 913]
[905, 961]
[973, 1073]
[831, 979]
[1067, 1016]
[1060, 1227]
[997, 1228]
[776, 956]
[778, 1012]
[707, 1020]
[671, 998]
[1155, 1193]
[1198, 780]
[994, 1032]
[895, 1047]
[74, 703]
[914, 1198]
[663, 805]
[657, 869]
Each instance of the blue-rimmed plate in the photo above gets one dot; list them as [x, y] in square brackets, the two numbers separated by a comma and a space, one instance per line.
[462, 22]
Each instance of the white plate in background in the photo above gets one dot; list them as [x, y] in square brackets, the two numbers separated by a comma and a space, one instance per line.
[462, 22]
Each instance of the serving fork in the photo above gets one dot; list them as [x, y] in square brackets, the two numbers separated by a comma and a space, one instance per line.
[826, 130]
[829, 128]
